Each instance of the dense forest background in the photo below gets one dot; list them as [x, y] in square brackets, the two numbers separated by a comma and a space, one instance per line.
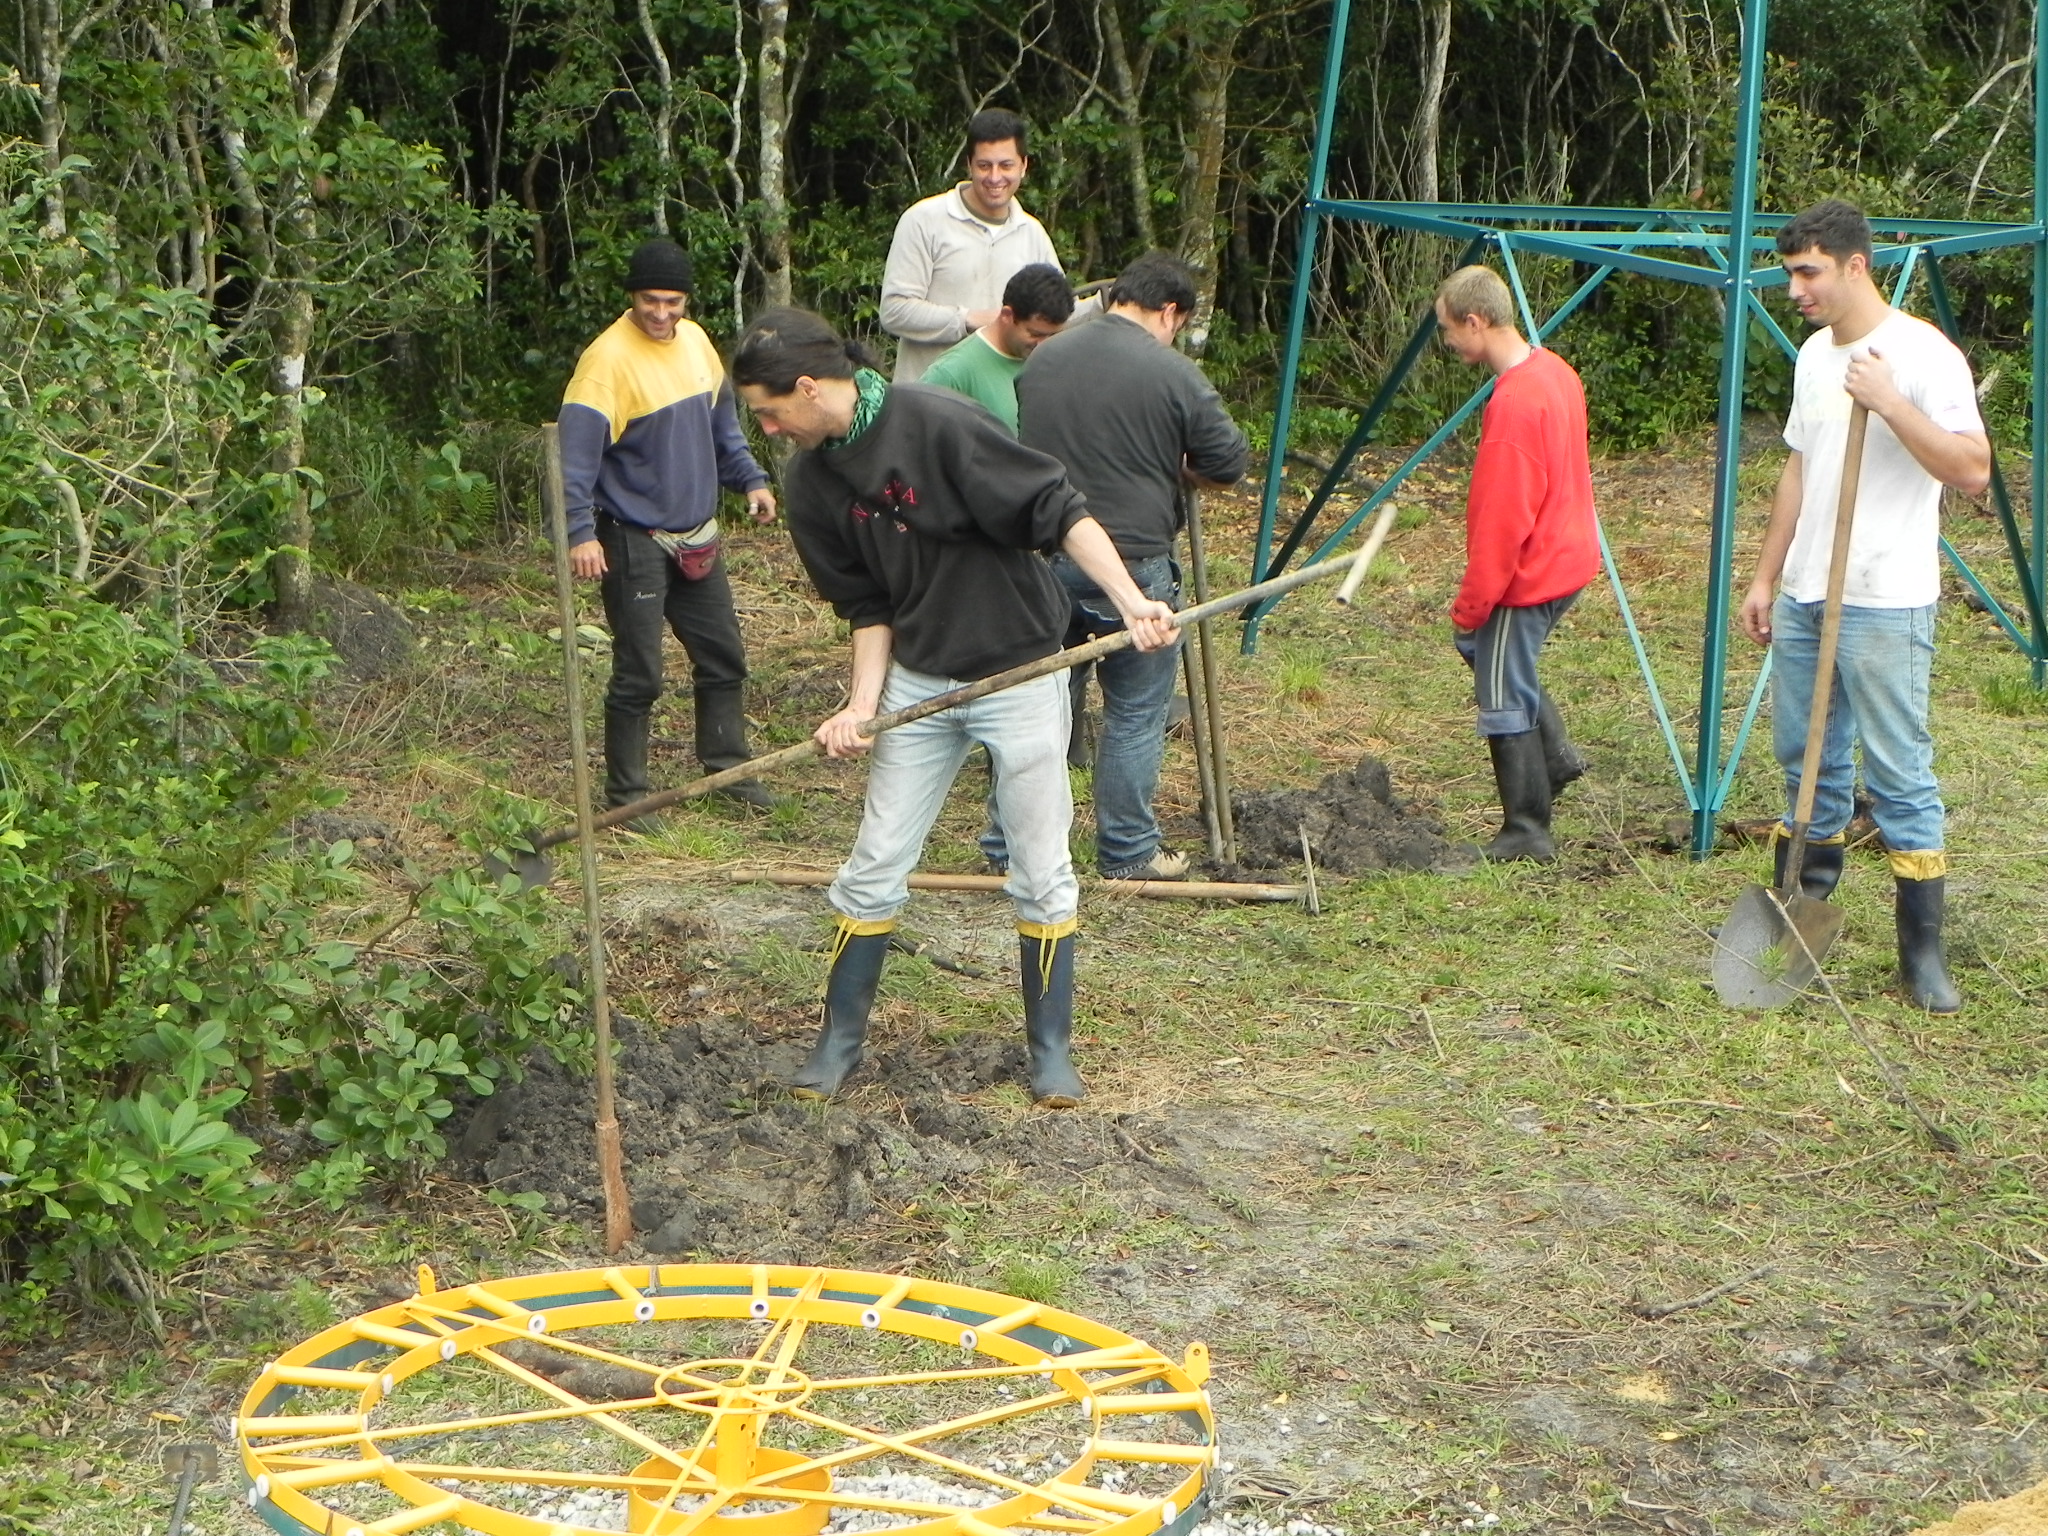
[403, 217]
[287, 284]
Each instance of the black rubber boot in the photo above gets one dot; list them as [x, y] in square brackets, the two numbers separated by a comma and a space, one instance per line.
[1524, 785]
[1561, 760]
[625, 763]
[722, 744]
[849, 997]
[1048, 967]
[1821, 872]
[1923, 970]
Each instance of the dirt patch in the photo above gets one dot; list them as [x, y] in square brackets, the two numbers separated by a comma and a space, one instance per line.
[370, 636]
[2024, 1514]
[720, 1159]
[1354, 824]
[376, 842]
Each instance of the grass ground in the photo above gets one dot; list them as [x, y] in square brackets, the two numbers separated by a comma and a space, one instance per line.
[1464, 1131]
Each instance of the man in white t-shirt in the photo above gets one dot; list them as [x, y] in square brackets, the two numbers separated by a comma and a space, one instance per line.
[1925, 433]
[953, 253]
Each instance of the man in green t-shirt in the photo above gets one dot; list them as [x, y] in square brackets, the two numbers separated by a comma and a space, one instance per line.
[984, 365]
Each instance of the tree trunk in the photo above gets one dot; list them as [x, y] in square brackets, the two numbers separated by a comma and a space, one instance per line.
[1202, 176]
[1243, 297]
[1429, 107]
[772, 185]
[47, 52]
[291, 567]
[1131, 121]
[664, 120]
[295, 233]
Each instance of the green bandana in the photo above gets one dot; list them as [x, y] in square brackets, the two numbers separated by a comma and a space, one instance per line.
[871, 389]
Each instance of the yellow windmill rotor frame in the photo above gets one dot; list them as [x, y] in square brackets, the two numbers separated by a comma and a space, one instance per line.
[1070, 1363]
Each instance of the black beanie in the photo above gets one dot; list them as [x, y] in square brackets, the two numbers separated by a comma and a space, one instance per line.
[659, 264]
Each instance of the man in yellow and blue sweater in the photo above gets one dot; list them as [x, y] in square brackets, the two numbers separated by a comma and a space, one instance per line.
[649, 434]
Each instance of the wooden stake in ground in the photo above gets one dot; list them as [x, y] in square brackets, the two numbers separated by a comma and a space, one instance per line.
[1212, 693]
[1198, 731]
[618, 1212]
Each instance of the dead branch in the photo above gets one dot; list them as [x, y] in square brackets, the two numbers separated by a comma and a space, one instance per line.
[1726, 1288]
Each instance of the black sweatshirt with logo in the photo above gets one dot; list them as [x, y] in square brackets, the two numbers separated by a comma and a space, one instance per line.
[932, 521]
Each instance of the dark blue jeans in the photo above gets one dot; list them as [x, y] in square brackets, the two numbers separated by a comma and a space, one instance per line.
[1137, 686]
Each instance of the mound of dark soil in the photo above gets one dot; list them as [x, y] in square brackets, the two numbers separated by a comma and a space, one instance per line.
[370, 635]
[1354, 824]
[720, 1159]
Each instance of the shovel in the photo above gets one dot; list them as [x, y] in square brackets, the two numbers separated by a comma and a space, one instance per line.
[531, 865]
[1771, 947]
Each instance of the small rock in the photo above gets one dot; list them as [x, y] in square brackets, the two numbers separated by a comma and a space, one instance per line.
[650, 1212]
[677, 1235]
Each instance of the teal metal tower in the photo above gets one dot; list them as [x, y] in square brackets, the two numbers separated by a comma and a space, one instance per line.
[1710, 250]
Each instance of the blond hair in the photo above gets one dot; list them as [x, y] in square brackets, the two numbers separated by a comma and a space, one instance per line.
[1477, 291]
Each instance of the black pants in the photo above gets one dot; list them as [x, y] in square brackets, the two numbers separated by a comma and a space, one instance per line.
[643, 591]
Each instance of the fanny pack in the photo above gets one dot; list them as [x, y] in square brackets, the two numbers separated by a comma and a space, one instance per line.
[695, 552]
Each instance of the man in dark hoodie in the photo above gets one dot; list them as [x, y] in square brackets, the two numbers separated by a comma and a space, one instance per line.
[649, 434]
[921, 521]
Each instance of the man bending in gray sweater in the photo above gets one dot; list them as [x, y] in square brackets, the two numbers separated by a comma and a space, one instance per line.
[1132, 420]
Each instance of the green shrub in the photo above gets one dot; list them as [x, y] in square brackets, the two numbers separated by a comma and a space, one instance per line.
[173, 989]
[164, 974]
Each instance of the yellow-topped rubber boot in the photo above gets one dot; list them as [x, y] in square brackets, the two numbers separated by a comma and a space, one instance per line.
[858, 950]
[1045, 952]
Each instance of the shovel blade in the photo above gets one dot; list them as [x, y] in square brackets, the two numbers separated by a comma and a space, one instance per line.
[532, 867]
[1771, 947]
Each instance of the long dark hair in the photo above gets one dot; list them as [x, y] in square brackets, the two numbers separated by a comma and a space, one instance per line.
[781, 346]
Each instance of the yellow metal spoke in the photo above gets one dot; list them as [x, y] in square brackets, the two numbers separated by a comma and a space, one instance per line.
[453, 1426]
[792, 1338]
[716, 1500]
[595, 1415]
[704, 1437]
[738, 1462]
[788, 1330]
[540, 1477]
[981, 1419]
[1051, 1492]
[842, 1499]
[873, 1443]
[986, 1373]
[572, 1347]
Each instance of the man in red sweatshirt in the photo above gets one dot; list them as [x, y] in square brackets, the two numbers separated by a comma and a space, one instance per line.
[1530, 547]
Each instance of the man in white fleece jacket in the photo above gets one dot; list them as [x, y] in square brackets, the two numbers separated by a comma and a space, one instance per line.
[953, 253]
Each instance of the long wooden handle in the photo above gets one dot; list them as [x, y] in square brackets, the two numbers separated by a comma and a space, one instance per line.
[1363, 561]
[1182, 890]
[967, 693]
[1215, 740]
[1830, 639]
[618, 1218]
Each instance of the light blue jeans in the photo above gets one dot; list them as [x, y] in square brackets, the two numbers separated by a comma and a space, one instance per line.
[911, 768]
[1880, 699]
[1137, 687]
